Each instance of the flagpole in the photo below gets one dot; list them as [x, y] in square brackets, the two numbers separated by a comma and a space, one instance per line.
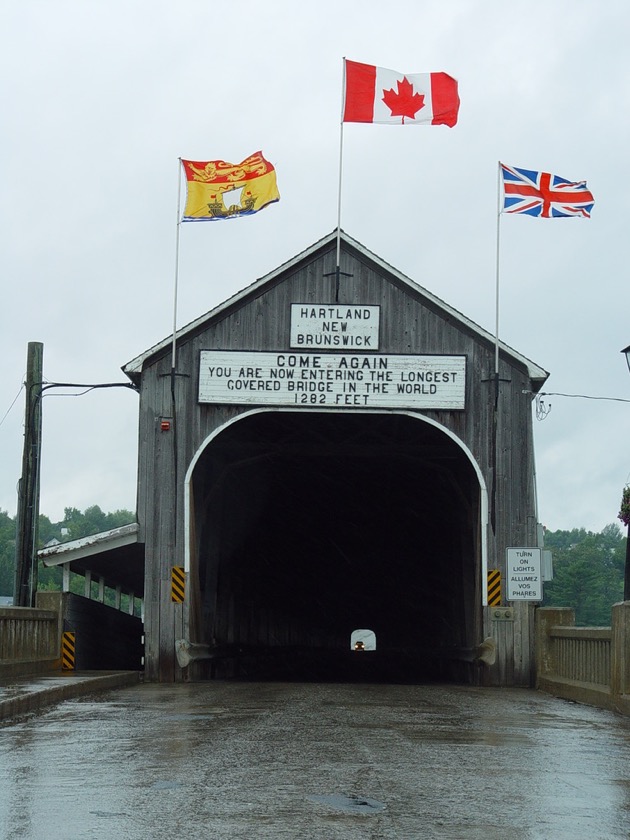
[179, 197]
[339, 193]
[338, 260]
[174, 367]
[496, 328]
[495, 413]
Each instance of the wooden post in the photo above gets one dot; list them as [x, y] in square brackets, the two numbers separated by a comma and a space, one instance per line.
[28, 488]
[619, 668]
[546, 618]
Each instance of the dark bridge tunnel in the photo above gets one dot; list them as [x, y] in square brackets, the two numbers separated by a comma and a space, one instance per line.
[311, 525]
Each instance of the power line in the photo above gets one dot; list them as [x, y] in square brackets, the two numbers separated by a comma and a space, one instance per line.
[576, 396]
[86, 387]
[6, 414]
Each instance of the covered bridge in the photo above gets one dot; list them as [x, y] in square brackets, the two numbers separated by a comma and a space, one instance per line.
[328, 459]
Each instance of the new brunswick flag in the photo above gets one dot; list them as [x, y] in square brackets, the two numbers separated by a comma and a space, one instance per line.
[221, 190]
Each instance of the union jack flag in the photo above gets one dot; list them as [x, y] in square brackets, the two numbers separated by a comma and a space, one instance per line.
[543, 194]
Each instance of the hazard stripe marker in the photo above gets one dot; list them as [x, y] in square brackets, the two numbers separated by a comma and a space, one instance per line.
[494, 588]
[67, 651]
[178, 584]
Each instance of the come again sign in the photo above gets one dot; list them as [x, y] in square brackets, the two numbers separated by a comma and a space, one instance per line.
[524, 574]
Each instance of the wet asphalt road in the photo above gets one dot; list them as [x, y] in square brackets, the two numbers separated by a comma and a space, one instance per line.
[315, 762]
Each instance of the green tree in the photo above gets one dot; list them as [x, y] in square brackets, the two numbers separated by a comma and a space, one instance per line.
[7, 553]
[92, 521]
[73, 526]
[588, 572]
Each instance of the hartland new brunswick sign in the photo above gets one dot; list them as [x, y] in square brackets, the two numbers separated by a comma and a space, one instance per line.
[342, 327]
[333, 379]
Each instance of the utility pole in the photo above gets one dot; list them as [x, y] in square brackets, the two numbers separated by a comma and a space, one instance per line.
[28, 487]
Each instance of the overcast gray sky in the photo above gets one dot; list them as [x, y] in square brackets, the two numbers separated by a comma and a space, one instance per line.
[99, 99]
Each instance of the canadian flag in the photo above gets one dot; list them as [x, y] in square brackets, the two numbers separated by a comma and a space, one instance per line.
[377, 95]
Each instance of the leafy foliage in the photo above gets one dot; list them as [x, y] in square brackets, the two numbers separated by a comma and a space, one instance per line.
[624, 513]
[92, 521]
[588, 573]
[7, 553]
[73, 526]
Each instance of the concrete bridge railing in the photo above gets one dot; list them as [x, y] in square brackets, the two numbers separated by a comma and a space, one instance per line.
[30, 640]
[586, 664]
[105, 638]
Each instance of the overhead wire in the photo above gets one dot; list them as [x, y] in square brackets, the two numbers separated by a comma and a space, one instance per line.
[6, 414]
[87, 387]
[542, 410]
[577, 396]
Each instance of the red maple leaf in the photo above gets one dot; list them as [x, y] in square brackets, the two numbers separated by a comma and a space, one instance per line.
[405, 103]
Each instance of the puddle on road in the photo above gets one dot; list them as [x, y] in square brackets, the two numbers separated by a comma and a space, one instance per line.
[212, 713]
[464, 737]
[449, 736]
[349, 804]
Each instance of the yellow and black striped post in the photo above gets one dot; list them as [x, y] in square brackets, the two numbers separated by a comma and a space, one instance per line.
[178, 584]
[67, 651]
[494, 587]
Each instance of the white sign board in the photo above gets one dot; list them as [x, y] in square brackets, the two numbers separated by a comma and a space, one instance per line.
[321, 327]
[332, 380]
[524, 574]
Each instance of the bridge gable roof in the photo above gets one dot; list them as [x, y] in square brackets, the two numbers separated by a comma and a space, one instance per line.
[133, 369]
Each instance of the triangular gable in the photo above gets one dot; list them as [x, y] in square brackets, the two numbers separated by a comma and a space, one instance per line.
[133, 369]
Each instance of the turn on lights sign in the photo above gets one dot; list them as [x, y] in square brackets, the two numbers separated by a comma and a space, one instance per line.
[332, 380]
[524, 574]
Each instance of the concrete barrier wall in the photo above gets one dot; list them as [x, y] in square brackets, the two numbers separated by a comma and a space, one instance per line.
[105, 638]
[29, 640]
[584, 664]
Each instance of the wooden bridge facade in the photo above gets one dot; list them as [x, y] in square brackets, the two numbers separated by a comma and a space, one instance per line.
[330, 453]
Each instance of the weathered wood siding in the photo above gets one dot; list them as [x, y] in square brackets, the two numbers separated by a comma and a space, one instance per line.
[410, 324]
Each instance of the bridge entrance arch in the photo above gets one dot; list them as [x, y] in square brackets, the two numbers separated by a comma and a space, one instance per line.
[307, 524]
[314, 451]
